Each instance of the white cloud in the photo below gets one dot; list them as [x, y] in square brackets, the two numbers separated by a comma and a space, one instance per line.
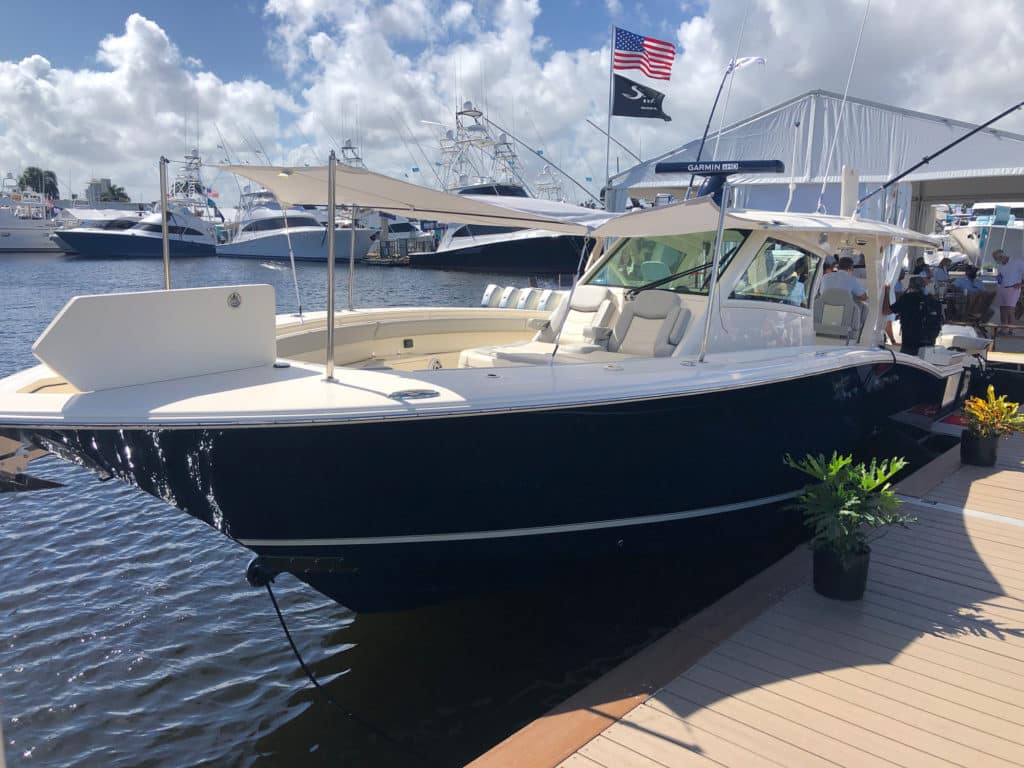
[116, 121]
[372, 70]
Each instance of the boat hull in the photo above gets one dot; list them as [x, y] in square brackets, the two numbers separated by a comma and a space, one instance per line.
[25, 236]
[386, 514]
[975, 239]
[125, 245]
[533, 256]
[307, 245]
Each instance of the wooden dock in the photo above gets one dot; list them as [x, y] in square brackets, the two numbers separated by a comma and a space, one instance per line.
[927, 670]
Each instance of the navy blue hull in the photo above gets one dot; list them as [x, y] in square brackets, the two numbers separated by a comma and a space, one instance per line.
[126, 246]
[534, 256]
[501, 498]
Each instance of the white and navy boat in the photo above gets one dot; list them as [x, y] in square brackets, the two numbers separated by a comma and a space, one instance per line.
[189, 235]
[649, 412]
[499, 249]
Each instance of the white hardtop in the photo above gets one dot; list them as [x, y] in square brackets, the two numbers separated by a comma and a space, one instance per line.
[262, 213]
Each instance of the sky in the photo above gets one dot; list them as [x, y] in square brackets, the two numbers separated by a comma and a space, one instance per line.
[115, 85]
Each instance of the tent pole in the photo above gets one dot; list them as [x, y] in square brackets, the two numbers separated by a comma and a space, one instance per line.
[716, 259]
[165, 234]
[331, 170]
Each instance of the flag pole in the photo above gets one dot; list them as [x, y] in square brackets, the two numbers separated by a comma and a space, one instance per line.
[608, 133]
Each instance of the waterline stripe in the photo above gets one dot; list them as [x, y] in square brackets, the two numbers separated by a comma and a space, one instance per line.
[960, 510]
[508, 533]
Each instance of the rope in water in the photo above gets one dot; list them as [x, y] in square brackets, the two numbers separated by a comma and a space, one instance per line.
[327, 696]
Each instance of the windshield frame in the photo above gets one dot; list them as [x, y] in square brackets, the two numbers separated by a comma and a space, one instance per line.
[684, 268]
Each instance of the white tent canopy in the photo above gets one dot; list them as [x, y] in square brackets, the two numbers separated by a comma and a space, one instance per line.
[877, 140]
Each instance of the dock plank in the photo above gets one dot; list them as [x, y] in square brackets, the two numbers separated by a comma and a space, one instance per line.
[926, 670]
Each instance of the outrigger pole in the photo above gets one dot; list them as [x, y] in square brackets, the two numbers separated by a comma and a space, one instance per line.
[165, 234]
[929, 158]
[332, 163]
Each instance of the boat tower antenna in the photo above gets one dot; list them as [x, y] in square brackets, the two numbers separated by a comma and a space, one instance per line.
[842, 110]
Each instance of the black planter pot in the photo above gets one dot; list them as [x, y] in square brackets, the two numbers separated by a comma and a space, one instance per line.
[980, 451]
[838, 580]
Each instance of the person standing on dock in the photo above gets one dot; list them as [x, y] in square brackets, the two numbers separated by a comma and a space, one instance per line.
[1009, 276]
[920, 316]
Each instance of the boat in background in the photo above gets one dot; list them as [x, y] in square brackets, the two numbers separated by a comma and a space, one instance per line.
[192, 222]
[264, 230]
[992, 226]
[25, 220]
[492, 248]
[189, 236]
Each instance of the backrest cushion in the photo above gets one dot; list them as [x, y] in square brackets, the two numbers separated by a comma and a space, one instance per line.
[586, 306]
[651, 325]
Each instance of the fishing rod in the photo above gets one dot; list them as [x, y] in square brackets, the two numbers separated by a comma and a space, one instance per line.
[631, 153]
[929, 158]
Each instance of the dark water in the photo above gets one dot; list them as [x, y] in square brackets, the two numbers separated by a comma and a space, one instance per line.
[129, 636]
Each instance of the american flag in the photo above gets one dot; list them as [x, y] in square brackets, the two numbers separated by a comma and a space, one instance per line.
[652, 57]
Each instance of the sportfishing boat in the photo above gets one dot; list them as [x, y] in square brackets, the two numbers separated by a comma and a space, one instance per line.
[191, 225]
[609, 428]
[498, 249]
[190, 235]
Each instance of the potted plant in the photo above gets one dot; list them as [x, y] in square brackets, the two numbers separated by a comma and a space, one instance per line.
[846, 502]
[988, 419]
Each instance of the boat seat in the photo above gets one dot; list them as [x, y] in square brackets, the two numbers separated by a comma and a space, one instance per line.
[588, 306]
[838, 315]
[651, 325]
[581, 323]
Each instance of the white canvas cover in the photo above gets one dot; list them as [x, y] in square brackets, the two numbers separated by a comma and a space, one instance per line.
[366, 189]
[373, 190]
[877, 140]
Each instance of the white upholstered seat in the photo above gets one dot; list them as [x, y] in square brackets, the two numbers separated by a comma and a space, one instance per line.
[838, 315]
[651, 325]
[581, 324]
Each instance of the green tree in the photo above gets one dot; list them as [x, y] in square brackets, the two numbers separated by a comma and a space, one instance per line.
[115, 195]
[39, 180]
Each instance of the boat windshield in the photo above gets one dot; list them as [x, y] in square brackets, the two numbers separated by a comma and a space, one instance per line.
[686, 259]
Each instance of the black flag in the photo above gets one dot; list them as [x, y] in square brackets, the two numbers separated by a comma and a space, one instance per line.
[635, 100]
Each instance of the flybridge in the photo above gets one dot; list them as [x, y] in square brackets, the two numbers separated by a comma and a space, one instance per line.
[721, 167]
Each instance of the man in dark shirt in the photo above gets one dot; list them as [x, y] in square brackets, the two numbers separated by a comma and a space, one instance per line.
[920, 317]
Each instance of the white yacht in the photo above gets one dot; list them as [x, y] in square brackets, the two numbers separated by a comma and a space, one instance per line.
[265, 231]
[992, 226]
[605, 430]
[25, 223]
